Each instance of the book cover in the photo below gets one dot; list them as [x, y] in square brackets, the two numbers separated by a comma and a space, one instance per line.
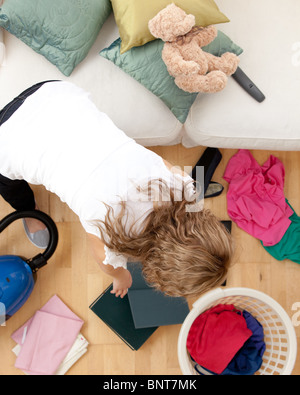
[150, 307]
[116, 314]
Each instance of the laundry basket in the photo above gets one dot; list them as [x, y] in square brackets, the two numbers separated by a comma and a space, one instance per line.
[280, 337]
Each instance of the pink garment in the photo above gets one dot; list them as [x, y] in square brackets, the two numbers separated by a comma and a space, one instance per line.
[255, 197]
[46, 338]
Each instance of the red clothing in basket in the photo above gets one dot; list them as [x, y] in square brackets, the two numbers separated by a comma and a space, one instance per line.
[216, 336]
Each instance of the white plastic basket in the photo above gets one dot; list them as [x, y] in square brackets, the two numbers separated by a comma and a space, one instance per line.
[280, 337]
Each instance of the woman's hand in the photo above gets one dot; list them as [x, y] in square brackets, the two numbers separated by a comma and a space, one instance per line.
[121, 283]
[122, 279]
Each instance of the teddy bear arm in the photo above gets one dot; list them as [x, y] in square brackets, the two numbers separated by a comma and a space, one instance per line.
[175, 62]
[206, 35]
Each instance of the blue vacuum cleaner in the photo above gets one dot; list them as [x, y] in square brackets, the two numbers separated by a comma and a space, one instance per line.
[18, 275]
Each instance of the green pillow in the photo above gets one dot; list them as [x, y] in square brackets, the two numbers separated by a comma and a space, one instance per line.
[61, 30]
[145, 64]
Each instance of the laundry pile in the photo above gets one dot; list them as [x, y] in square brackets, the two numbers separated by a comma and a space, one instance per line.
[257, 204]
[50, 342]
[226, 341]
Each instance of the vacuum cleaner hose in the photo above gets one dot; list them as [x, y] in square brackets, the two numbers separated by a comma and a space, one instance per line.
[47, 221]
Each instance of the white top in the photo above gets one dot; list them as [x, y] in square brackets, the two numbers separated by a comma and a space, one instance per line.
[59, 139]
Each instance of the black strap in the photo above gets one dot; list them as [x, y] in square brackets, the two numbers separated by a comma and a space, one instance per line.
[16, 103]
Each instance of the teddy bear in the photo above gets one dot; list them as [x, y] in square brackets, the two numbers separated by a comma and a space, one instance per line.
[194, 70]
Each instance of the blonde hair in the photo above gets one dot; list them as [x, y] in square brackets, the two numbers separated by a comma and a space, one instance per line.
[183, 253]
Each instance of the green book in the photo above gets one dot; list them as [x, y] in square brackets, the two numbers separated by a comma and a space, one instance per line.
[116, 314]
[150, 307]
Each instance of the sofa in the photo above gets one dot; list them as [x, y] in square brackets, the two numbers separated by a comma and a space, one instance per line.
[268, 31]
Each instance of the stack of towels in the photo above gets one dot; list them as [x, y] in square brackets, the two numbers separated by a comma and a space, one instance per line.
[50, 342]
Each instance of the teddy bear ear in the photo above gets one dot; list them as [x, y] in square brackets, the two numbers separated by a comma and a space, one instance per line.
[153, 27]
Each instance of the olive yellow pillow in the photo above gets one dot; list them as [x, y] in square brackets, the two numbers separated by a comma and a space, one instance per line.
[132, 17]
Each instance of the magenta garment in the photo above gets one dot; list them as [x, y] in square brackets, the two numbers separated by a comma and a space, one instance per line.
[46, 338]
[255, 197]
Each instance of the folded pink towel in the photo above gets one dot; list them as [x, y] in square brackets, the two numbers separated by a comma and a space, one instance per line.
[46, 338]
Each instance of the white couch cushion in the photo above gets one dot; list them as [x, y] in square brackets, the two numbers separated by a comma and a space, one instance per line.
[132, 107]
[269, 33]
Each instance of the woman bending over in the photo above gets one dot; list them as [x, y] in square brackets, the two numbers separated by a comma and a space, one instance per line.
[133, 204]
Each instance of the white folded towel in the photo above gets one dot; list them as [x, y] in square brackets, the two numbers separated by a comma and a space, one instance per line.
[78, 349]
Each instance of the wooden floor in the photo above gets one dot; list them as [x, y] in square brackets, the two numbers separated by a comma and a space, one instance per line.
[76, 279]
